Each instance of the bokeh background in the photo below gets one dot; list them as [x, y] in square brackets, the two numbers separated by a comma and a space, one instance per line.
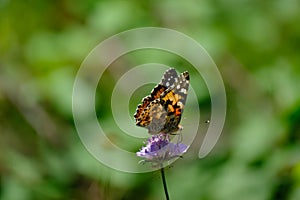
[256, 46]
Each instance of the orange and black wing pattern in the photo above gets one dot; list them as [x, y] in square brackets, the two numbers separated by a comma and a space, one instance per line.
[161, 110]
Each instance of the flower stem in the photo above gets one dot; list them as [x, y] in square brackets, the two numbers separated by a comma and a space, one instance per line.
[164, 182]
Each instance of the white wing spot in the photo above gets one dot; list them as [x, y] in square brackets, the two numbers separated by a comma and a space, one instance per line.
[178, 86]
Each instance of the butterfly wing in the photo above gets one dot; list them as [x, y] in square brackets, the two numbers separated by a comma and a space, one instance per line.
[161, 110]
[142, 111]
[173, 101]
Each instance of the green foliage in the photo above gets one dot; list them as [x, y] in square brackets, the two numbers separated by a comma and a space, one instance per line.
[255, 44]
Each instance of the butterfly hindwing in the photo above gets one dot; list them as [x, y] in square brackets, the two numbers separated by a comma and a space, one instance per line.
[167, 80]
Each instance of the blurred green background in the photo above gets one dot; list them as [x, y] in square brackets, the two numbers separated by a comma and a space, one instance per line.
[256, 46]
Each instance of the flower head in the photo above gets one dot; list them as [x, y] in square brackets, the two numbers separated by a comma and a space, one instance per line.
[159, 149]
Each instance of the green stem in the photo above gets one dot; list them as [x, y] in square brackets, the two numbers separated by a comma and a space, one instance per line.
[164, 182]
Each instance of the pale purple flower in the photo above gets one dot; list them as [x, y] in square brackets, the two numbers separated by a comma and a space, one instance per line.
[159, 149]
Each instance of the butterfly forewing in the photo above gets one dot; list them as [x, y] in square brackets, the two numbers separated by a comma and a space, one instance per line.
[173, 101]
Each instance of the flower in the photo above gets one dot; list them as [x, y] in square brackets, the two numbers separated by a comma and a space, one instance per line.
[159, 149]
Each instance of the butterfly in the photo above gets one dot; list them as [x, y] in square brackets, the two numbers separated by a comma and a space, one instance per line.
[161, 111]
